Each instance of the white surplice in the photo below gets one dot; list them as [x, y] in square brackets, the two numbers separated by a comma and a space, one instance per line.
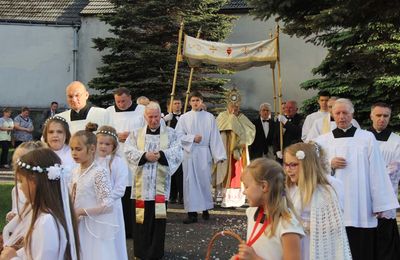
[125, 121]
[48, 240]
[364, 178]
[96, 115]
[309, 121]
[317, 126]
[118, 171]
[391, 155]
[197, 160]
[173, 154]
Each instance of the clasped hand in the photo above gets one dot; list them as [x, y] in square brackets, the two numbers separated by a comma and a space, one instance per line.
[152, 156]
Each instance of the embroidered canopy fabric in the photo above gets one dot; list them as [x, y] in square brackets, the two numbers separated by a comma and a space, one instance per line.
[230, 56]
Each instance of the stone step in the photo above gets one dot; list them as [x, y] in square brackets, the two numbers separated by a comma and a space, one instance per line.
[6, 175]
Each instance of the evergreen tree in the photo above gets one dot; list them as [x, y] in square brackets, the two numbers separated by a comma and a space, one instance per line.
[363, 43]
[143, 52]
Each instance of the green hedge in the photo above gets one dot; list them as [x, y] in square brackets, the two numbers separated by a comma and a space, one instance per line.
[5, 202]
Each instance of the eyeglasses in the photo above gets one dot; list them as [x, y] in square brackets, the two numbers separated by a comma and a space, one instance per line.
[291, 166]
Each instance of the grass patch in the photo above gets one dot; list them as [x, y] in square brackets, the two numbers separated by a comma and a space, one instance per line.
[5, 202]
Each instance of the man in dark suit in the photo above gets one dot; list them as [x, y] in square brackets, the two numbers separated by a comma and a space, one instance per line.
[265, 127]
[52, 111]
[292, 125]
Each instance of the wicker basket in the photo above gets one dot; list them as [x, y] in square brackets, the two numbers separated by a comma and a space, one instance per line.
[221, 234]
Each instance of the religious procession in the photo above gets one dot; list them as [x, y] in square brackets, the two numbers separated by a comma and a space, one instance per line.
[107, 175]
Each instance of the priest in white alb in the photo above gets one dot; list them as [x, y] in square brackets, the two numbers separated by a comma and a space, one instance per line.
[80, 112]
[125, 117]
[356, 160]
[388, 238]
[326, 123]
[154, 153]
[202, 145]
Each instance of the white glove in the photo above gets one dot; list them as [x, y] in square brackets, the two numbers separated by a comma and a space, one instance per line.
[282, 119]
[279, 154]
[168, 117]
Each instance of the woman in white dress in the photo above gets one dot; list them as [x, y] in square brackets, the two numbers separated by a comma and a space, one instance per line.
[316, 202]
[107, 144]
[52, 230]
[91, 193]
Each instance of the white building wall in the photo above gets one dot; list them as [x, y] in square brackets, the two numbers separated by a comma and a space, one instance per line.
[297, 60]
[35, 64]
[89, 59]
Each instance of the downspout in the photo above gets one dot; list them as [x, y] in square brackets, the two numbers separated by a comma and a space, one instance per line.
[75, 53]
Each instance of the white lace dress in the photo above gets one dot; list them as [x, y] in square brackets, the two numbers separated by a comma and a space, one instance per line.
[119, 179]
[91, 190]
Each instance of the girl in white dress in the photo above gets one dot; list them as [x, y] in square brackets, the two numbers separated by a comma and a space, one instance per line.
[52, 230]
[107, 144]
[56, 135]
[91, 193]
[316, 201]
[18, 199]
[273, 231]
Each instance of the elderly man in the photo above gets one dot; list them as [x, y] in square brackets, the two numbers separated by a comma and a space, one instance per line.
[265, 127]
[388, 239]
[153, 153]
[237, 132]
[80, 112]
[323, 97]
[325, 124]
[292, 123]
[356, 160]
[125, 118]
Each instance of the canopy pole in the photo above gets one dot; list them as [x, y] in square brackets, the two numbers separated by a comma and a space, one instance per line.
[272, 65]
[190, 79]
[178, 59]
[278, 59]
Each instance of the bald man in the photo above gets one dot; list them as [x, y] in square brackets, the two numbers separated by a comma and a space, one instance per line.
[80, 112]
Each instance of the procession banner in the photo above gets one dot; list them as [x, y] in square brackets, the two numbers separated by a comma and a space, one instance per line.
[229, 56]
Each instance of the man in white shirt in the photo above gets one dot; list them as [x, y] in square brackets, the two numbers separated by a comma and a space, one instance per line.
[323, 97]
[356, 160]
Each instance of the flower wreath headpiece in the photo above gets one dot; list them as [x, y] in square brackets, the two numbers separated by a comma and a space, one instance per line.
[59, 118]
[108, 133]
[53, 172]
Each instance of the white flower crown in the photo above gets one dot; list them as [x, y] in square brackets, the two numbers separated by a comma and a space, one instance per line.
[53, 172]
[108, 133]
[300, 155]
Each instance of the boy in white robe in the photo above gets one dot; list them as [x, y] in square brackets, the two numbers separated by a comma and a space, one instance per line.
[388, 239]
[323, 97]
[201, 143]
[356, 160]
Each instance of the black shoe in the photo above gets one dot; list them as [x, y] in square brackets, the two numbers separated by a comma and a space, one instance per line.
[205, 215]
[172, 202]
[180, 201]
[190, 220]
